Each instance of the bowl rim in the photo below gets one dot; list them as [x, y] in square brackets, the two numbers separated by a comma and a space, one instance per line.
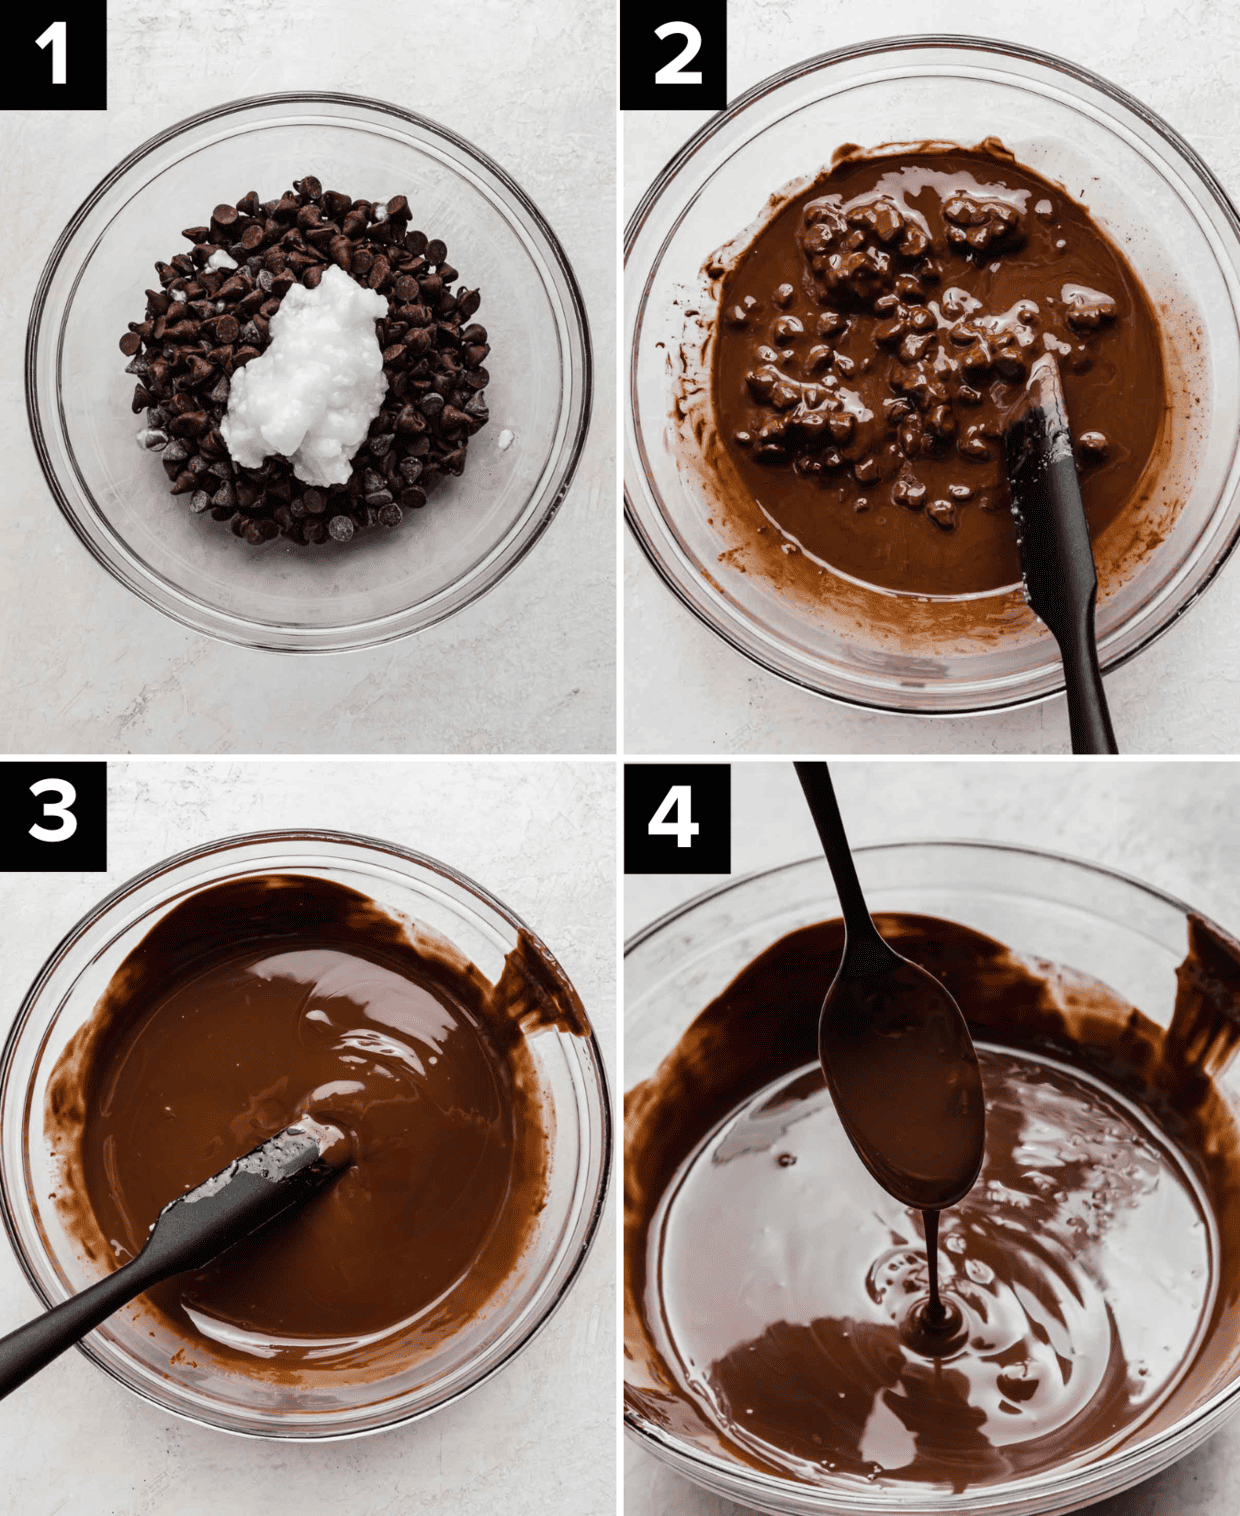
[984, 1498]
[967, 42]
[382, 631]
[592, 1210]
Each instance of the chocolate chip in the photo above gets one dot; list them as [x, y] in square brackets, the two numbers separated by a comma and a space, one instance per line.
[341, 528]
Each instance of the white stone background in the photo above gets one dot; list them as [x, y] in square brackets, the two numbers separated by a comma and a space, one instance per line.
[531, 666]
[688, 692]
[1172, 824]
[537, 1440]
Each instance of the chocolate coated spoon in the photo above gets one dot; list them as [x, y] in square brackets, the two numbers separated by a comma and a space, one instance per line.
[896, 1052]
[188, 1233]
[1057, 561]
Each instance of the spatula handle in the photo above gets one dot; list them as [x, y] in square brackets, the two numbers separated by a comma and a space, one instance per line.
[1089, 719]
[33, 1346]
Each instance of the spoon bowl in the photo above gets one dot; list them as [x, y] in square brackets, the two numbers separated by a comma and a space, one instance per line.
[904, 1077]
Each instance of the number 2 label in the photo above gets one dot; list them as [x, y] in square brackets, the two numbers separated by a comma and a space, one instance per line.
[674, 72]
[680, 800]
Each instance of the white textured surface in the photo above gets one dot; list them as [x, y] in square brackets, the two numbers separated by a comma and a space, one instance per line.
[530, 667]
[688, 692]
[539, 1439]
[1171, 824]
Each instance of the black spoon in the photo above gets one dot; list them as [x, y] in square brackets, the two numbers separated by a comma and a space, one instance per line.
[896, 1051]
[1057, 561]
[188, 1233]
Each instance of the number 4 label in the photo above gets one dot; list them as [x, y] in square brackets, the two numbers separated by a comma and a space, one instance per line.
[677, 818]
[680, 800]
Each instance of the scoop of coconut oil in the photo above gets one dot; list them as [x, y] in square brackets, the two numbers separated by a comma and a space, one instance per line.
[313, 393]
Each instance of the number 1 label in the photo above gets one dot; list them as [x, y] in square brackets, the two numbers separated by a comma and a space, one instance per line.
[39, 77]
[54, 37]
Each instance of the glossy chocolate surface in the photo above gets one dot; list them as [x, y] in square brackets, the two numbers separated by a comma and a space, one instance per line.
[775, 1296]
[259, 1000]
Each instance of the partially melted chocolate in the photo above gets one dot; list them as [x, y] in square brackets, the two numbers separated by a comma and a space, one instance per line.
[873, 343]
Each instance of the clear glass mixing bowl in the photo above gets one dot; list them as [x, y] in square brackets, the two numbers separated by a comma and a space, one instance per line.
[136, 1348]
[383, 584]
[1142, 181]
[1125, 933]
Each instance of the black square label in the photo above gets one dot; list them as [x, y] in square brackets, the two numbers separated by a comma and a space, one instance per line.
[673, 55]
[55, 817]
[58, 56]
[677, 818]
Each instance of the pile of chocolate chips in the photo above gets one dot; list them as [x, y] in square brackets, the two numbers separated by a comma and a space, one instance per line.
[204, 323]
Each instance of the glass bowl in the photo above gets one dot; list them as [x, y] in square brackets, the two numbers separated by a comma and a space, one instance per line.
[571, 1082]
[1144, 183]
[1116, 929]
[280, 596]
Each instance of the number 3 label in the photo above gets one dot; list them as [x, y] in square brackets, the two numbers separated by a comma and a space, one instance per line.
[679, 799]
[57, 810]
[673, 72]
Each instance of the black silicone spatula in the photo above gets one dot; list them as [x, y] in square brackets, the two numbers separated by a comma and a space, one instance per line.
[188, 1233]
[1057, 561]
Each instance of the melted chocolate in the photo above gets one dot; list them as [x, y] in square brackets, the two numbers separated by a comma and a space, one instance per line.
[776, 1298]
[874, 342]
[260, 1000]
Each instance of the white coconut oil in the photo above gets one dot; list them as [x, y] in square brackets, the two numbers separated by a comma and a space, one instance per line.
[313, 393]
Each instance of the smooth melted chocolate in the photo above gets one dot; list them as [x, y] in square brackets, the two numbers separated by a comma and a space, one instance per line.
[263, 999]
[775, 1295]
[874, 341]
